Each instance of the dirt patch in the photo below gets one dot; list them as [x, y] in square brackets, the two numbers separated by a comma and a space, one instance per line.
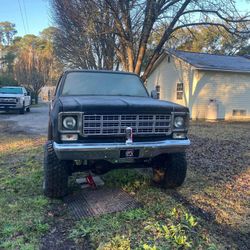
[217, 188]
[60, 225]
[222, 232]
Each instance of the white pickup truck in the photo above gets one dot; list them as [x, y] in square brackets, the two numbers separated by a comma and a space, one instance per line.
[14, 98]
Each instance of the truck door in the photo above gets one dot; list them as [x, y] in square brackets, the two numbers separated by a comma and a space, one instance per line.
[26, 98]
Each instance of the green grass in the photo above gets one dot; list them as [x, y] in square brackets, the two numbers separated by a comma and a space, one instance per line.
[23, 205]
[160, 224]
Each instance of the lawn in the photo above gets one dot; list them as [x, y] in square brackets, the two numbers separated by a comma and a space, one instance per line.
[210, 211]
[22, 204]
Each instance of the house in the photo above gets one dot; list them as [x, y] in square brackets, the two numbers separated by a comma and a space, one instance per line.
[212, 86]
[47, 93]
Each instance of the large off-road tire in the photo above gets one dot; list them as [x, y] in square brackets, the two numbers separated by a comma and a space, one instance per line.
[169, 171]
[55, 173]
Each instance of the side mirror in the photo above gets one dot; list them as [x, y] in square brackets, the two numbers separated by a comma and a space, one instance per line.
[154, 94]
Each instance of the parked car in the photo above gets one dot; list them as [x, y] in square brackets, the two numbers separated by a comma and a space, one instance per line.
[102, 120]
[14, 98]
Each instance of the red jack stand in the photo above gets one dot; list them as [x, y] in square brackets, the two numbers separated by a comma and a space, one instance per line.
[90, 181]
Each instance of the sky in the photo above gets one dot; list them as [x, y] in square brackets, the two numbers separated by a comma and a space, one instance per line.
[32, 16]
[36, 15]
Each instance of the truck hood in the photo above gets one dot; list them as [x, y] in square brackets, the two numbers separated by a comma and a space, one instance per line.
[118, 104]
[11, 95]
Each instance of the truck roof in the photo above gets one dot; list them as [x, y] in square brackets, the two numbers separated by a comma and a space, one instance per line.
[100, 71]
[10, 87]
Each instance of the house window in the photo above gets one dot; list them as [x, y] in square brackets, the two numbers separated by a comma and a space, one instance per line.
[179, 91]
[158, 90]
[239, 112]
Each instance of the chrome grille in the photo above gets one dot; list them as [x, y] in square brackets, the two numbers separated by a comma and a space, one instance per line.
[148, 124]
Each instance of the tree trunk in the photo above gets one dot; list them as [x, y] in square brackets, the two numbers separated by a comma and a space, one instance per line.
[130, 54]
[150, 65]
[36, 98]
[150, 17]
[157, 52]
[164, 38]
[140, 57]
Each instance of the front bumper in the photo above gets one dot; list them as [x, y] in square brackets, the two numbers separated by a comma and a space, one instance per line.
[111, 151]
[10, 106]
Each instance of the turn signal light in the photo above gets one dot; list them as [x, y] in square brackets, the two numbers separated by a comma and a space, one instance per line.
[179, 135]
[69, 137]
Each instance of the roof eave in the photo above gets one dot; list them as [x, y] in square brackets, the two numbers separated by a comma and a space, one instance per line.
[171, 53]
[158, 62]
[221, 70]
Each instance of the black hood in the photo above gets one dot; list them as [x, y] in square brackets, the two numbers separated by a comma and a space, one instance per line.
[118, 104]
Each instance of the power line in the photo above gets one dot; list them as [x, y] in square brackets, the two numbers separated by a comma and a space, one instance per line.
[21, 12]
[25, 14]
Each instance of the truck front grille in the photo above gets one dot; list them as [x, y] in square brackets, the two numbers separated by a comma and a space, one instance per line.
[144, 124]
[8, 100]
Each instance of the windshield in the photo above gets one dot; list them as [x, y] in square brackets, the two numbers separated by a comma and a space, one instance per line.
[108, 84]
[11, 90]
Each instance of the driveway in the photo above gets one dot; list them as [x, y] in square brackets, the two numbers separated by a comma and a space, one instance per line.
[35, 122]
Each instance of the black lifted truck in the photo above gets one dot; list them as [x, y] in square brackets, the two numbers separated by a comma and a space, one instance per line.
[102, 120]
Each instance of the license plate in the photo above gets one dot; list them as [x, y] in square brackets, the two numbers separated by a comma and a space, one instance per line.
[129, 153]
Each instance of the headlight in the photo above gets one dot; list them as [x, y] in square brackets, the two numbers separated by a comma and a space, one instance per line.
[20, 99]
[69, 122]
[179, 122]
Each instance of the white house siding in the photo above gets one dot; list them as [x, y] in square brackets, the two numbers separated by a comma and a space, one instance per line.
[231, 90]
[167, 75]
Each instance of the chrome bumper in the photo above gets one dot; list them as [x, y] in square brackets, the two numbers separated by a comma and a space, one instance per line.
[111, 151]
